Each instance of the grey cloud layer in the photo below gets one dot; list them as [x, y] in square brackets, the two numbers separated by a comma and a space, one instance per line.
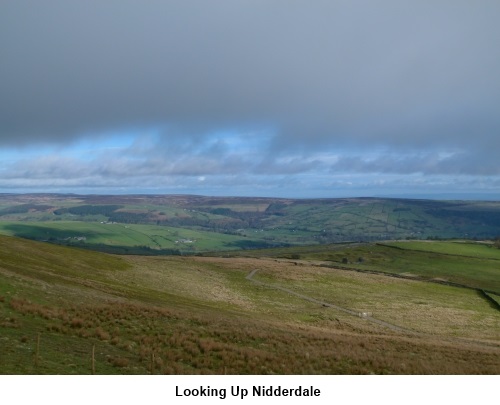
[215, 163]
[425, 163]
[404, 75]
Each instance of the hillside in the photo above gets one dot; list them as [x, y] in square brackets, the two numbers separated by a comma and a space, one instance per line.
[175, 224]
[211, 315]
[464, 263]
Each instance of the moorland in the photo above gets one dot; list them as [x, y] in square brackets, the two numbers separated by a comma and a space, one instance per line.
[202, 285]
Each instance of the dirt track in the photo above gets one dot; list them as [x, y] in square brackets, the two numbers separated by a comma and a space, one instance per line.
[326, 304]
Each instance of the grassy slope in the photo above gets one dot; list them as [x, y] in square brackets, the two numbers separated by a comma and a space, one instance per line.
[120, 235]
[456, 248]
[472, 264]
[200, 315]
[419, 306]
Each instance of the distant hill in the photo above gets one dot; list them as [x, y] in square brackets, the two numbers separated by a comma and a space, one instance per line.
[232, 223]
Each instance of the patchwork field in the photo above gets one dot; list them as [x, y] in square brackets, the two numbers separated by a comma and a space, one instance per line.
[166, 224]
[121, 238]
[234, 315]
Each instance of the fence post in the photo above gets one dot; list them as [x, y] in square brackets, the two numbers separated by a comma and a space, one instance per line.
[37, 350]
[93, 359]
[152, 362]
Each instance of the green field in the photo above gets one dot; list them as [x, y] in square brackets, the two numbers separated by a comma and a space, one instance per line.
[226, 223]
[202, 315]
[469, 263]
[455, 248]
[128, 238]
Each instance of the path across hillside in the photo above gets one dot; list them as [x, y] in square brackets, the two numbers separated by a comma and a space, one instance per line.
[367, 317]
[327, 304]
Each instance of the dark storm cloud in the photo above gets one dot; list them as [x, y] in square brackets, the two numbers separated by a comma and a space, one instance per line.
[405, 75]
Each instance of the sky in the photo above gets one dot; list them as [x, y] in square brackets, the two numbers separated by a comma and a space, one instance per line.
[278, 98]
